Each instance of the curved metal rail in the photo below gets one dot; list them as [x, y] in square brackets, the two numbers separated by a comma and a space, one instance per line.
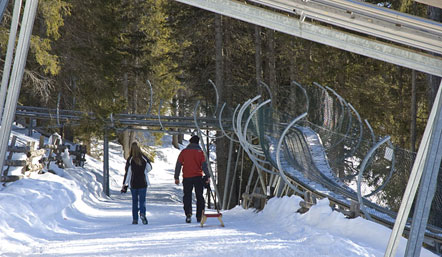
[298, 173]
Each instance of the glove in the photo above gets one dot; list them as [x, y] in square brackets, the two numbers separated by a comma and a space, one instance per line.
[124, 189]
[206, 182]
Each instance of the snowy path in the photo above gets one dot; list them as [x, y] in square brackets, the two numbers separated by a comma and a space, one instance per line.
[68, 215]
[106, 230]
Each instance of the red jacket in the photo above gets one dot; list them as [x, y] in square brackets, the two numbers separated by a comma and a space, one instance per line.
[193, 162]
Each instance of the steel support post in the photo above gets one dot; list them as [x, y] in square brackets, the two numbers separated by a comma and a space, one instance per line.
[281, 185]
[106, 163]
[241, 175]
[427, 186]
[425, 158]
[226, 184]
[17, 75]
[238, 153]
[9, 52]
[209, 166]
[3, 5]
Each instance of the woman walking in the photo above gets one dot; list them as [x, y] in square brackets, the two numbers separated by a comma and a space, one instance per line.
[135, 177]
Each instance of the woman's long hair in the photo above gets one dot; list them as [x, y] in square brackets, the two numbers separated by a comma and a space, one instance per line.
[135, 152]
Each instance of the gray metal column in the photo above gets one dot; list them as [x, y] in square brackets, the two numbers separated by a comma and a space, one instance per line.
[427, 186]
[3, 5]
[209, 166]
[17, 75]
[106, 163]
[425, 158]
[9, 54]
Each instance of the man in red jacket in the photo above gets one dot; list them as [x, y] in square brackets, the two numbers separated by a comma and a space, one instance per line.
[194, 167]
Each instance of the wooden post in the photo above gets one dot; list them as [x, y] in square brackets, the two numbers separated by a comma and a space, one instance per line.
[355, 210]
[5, 172]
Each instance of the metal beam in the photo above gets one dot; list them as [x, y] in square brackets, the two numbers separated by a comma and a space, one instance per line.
[9, 52]
[3, 5]
[435, 3]
[17, 75]
[368, 19]
[346, 41]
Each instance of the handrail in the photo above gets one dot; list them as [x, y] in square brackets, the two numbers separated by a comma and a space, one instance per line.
[390, 174]
[252, 113]
[196, 122]
[243, 141]
[278, 153]
[217, 98]
[222, 127]
[361, 171]
[307, 101]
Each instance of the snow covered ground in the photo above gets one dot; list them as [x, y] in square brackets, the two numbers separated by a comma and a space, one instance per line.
[68, 215]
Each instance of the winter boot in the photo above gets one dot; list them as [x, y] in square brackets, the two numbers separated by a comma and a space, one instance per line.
[143, 219]
[188, 218]
[135, 222]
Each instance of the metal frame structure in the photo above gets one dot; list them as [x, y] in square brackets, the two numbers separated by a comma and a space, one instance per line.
[369, 19]
[390, 26]
[9, 52]
[300, 27]
[17, 75]
[295, 186]
[427, 165]
[435, 3]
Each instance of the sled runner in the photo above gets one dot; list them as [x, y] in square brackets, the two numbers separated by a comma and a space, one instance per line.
[211, 215]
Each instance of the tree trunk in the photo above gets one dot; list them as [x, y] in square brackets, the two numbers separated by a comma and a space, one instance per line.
[294, 105]
[271, 62]
[258, 58]
[219, 62]
[221, 143]
[181, 111]
[175, 112]
[124, 140]
[68, 131]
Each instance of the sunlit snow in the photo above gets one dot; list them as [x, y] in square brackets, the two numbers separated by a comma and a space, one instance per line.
[68, 215]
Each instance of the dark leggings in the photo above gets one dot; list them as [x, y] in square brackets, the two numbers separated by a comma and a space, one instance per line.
[188, 185]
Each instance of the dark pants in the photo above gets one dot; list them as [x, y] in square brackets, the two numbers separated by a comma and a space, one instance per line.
[138, 202]
[188, 185]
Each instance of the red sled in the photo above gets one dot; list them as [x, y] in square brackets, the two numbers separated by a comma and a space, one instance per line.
[212, 215]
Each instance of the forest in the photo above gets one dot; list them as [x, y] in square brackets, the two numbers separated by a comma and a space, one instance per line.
[98, 55]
